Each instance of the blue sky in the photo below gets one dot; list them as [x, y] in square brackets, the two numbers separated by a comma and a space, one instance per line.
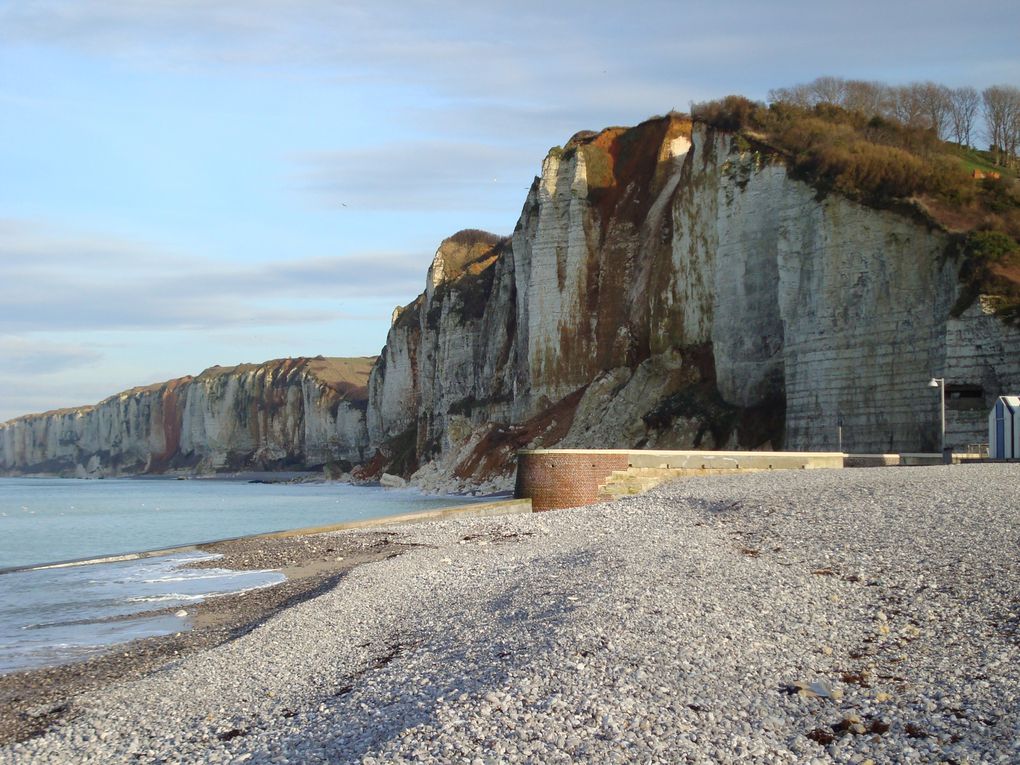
[186, 183]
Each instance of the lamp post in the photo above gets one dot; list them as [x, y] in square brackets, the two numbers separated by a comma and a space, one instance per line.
[940, 383]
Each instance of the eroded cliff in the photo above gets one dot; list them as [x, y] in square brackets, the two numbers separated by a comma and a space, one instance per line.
[288, 413]
[668, 285]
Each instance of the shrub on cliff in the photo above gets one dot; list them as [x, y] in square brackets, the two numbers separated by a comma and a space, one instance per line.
[991, 246]
[1000, 195]
[990, 267]
[732, 113]
[875, 159]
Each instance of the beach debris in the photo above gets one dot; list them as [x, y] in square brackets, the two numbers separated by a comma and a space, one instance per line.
[913, 730]
[822, 736]
[878, 726]
[850, 725]
[181, 614]
[817, 689]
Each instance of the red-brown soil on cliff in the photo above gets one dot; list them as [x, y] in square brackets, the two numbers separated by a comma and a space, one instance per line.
[495, 454]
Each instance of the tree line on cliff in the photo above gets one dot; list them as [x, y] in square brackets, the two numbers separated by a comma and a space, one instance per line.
[951, 113]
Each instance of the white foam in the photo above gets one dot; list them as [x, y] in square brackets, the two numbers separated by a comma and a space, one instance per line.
[165, 597]
[210, 574]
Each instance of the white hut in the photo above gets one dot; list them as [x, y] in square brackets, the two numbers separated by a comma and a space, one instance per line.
[1004, 429]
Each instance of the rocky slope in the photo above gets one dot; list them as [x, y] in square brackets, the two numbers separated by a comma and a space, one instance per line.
[288, 413]
[668, 285]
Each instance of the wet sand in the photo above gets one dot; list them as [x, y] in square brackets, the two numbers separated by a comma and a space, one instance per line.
[32, 700]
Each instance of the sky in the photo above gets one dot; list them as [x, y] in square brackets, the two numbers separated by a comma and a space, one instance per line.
[186, 183]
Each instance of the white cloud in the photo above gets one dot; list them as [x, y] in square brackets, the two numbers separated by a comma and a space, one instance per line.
[21, 356]
[420, 175]
[531, 51]
[34, 374]
[504, 81]
[85, 282]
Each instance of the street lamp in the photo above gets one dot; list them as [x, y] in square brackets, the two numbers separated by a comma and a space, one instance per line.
[940, 383]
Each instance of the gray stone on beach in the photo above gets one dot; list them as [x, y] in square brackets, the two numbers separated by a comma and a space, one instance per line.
[637, 630]
[389, 481]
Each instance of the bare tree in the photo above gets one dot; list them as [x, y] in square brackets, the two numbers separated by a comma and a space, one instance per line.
[824, 90]
[935, 102]
[866, 97]
[1012, 147]
[1002, 121]
[927, 105]
[907, 105]
[797, 95]
[828, 90]
[963, 109]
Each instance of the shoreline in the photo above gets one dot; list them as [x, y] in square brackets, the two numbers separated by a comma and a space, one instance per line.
[34, 699]
[313, 559]
[493, 506]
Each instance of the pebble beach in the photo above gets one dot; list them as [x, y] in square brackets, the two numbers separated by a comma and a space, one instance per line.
[817, 616]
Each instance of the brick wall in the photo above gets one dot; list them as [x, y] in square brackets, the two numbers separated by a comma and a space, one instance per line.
[558, 479]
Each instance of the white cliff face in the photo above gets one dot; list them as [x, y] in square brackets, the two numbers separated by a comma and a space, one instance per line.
[551, 253]
[393, 384]
[279, 414]
[864, 298]
[449, 356]
[708, 300]
[123, 433]
[841, 307]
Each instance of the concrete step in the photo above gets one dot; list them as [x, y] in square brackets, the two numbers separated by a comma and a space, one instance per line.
[622, 483]
[618, 490]
[638, 480]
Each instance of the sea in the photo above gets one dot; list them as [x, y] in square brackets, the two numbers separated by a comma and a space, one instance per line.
[53, 615]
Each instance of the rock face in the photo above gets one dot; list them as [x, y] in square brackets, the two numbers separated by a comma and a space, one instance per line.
[668, 286]
[289, 413]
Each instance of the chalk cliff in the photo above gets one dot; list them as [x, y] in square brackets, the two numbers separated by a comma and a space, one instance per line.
[283, 414]
[668, 285]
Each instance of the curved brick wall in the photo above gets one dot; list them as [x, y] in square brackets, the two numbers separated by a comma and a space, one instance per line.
[555, 479]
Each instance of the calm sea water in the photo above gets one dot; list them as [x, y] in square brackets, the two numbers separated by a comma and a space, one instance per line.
[50, 616]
